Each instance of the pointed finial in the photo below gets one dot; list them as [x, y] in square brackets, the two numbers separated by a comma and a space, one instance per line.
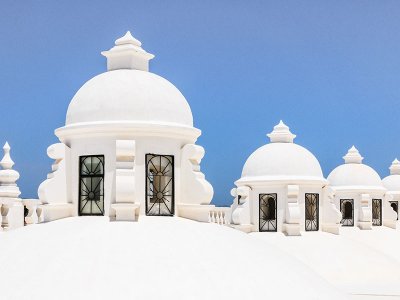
[6, 163]
[395, 167]
[127, 54]
[281, 134]
[128, 39]
[353, 156]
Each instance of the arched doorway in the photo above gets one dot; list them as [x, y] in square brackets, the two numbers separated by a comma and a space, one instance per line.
[267, 212]
[91, 185]
[395, 206]
[377, 212]
[312, 212]
[159, 185]
[347, 210]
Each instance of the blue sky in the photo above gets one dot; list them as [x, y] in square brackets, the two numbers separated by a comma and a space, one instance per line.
[329, 69]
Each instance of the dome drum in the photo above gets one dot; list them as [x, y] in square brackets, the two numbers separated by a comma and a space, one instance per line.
[286, 189]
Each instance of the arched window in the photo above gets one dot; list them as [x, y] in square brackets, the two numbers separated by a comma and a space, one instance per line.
[267, 212]
[311, 212]
[91, 185]
[347, 209]
[377, 212]
[159, 185]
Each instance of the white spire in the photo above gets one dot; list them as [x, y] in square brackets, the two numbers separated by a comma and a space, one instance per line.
[353, 156]
[127, 54]
[8, 176]
[6, 163]
[281, 134]
[395, 167]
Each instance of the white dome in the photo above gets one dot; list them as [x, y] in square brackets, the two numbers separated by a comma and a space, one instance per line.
[282, 159]
[392, 183]
[353, 174]
[129, 95]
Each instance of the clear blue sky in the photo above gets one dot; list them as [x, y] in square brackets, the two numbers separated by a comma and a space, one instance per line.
[329, 69]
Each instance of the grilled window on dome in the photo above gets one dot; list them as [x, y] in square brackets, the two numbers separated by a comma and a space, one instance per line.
[312, 212]
[268, 212]
[377, 212]
[91, 185]
[159, 185]
[347, 209]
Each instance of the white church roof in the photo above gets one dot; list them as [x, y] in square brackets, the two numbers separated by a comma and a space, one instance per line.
[282, 159]
[128, 92]
[354, 174]
[168, 258]
[392, 182]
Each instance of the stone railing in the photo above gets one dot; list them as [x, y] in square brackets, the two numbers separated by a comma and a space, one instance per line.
[220, 215]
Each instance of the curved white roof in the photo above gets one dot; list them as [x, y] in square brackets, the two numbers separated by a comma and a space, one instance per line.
[392, 182]
[156, 257]
[354, 174]
[129, 95]
[281, 159]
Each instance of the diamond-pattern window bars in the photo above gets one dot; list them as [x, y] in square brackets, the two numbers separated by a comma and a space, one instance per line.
[377, 212]
[91, 185]
[159, 185]
[268, 212]
[347, 209]
[312, 212]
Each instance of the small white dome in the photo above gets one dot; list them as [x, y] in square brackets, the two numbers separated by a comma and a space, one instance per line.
[282, 159]
[392, 182]
[353, 173]
[129, 95]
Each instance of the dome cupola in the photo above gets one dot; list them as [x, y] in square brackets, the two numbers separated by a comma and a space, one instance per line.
[392, 182]
[128, 97]
[281, 159]
[353, 174]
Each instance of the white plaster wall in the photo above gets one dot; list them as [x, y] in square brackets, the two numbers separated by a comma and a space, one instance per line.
[356, 195]
[106, 146]
[281, 191]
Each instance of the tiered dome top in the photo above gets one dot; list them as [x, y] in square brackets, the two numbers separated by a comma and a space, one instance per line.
[392, 182]
[128, 93]
[281, 160]
[354, 174]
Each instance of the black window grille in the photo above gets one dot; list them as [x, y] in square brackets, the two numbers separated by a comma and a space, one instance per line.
[91, 185]
[159, 185]
[377, 212]
[312, 212]
[347, 209]
[268, 212]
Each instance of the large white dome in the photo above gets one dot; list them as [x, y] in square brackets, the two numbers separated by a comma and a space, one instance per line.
[129, 95]
[282, 159]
